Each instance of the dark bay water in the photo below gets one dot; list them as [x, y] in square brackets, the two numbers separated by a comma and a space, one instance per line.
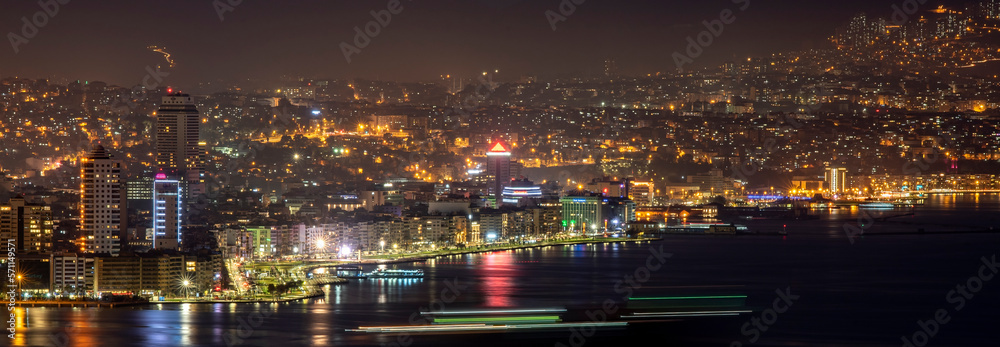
[867, 293]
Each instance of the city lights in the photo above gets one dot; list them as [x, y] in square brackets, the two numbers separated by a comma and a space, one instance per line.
[648, 170]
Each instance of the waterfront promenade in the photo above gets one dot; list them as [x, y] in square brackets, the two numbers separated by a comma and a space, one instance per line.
[424, 255]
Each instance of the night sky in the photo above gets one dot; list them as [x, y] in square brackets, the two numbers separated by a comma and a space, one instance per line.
[107, 40]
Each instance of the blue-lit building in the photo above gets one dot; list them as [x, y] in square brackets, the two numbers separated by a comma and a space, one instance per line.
[167, 214]
[521, 193]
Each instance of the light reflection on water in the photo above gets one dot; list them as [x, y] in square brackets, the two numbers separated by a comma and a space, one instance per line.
[940, 213]
[498, 274]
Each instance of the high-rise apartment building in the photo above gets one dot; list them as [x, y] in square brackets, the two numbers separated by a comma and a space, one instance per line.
[29, 225]
[642, 192]
[102, 217]
[179, 149]
[610, 68]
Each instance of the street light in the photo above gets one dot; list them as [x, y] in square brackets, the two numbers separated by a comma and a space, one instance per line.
[382, 245]
[321, 246]
[186, 283]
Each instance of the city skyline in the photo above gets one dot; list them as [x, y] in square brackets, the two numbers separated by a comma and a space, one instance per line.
[488, 172]
[640, 36]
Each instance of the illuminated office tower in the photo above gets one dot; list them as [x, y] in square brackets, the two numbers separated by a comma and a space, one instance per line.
[498, 170]
[583, 214]
[179, 149]
[836, 179]
[166, 212]
[102, 217]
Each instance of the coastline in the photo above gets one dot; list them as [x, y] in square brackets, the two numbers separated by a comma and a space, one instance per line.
[423, 256]
[401, 259]
[111, 305]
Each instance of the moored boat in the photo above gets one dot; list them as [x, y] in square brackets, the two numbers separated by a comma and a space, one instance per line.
[382, 273]
[877, 205]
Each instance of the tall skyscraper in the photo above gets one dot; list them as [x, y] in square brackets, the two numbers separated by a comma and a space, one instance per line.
[102, 217]
[610, 68]
[179, 150]
[497, 169]
[28, 224]
[166, 212]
